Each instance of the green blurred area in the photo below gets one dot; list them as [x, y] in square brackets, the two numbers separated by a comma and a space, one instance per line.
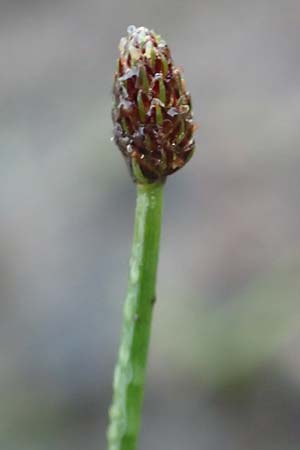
[224, 367]
[227, 344]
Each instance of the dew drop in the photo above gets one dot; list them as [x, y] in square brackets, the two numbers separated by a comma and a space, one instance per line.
[173, 112]
[131, 29]
[184, 109]
[156, 102]
[130, 73]
[134, 273]
[162, 44]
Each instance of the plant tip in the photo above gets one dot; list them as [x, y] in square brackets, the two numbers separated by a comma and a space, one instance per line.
[152, 112]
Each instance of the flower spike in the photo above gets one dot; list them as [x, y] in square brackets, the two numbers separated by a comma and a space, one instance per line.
[152, 113]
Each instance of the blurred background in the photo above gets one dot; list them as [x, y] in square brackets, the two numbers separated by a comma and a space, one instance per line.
[224, 362]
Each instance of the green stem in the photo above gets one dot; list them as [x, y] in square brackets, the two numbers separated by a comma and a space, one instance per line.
[130, 370]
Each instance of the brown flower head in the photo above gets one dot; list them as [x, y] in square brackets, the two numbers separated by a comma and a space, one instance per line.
[152, 114]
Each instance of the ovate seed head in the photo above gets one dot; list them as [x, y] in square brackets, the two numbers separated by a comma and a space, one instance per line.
[152, 113]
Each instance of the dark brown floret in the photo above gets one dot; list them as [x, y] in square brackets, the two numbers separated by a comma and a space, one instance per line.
[152, 113]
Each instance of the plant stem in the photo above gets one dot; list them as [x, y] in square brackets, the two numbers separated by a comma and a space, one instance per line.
[129, 377]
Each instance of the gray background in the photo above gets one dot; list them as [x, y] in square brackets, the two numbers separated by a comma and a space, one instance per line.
[224, 363]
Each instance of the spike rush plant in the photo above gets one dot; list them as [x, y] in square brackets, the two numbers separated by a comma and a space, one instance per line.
[153, 128]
